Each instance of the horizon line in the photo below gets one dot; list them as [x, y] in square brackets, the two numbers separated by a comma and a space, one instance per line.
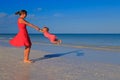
[65, 33]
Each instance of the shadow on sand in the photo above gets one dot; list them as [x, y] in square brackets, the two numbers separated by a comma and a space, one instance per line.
[77, 52]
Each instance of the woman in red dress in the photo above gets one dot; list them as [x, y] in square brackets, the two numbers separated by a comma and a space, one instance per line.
[22, 38]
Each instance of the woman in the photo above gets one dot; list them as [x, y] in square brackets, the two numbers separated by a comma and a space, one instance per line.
[22, 38]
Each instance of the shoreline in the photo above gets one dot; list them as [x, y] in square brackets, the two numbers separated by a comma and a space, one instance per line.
[5, 43]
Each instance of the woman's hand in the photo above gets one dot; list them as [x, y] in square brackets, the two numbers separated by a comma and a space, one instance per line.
[37, 28]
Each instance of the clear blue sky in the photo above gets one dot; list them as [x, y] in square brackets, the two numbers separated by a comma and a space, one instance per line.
[63, 16]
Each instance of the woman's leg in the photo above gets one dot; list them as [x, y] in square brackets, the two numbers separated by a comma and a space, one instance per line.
[26, 55]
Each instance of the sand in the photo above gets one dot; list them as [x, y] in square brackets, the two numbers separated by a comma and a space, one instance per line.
[61, 63]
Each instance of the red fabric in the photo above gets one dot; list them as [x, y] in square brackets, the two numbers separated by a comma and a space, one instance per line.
[22, 38]
[50, 36]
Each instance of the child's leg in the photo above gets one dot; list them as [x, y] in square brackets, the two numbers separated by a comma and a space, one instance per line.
[59, 41]
[56, 41]
[26, 55]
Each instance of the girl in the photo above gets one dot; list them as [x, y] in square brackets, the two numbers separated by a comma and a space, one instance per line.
[53, 39]
[22, 38]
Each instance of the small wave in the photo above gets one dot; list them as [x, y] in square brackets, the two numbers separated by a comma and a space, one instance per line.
[108, 48]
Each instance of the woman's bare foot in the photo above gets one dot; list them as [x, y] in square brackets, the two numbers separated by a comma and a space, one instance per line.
[28, 61]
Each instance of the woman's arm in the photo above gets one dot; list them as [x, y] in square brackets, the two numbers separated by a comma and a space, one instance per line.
[28, 24]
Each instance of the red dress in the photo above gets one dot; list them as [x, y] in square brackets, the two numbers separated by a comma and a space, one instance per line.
[22, 38]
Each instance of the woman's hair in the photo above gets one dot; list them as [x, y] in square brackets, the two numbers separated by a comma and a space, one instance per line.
[21, 12]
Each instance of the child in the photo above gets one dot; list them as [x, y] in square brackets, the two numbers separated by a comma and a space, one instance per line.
[53, 39]
[22, 38]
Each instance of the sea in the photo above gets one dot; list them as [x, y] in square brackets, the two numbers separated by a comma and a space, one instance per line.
[87, 40]
[93, 40]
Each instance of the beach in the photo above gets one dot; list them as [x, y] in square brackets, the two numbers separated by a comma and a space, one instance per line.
[60, 62]
[86, 33]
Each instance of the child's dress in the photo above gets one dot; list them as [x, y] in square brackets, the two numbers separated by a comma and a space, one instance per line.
[50, 36]
[22, 38]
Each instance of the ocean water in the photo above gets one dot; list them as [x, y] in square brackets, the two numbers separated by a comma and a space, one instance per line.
[97, 40]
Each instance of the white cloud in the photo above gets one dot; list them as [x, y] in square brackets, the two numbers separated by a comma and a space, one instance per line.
[12, 16]
[2, 14]
[58, 15]
[31, 16]
[8, 23]
[39, 9]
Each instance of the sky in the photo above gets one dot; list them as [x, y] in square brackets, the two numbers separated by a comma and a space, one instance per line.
[63, 16]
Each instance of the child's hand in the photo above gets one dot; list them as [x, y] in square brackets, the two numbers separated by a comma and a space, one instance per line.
[40, 30]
